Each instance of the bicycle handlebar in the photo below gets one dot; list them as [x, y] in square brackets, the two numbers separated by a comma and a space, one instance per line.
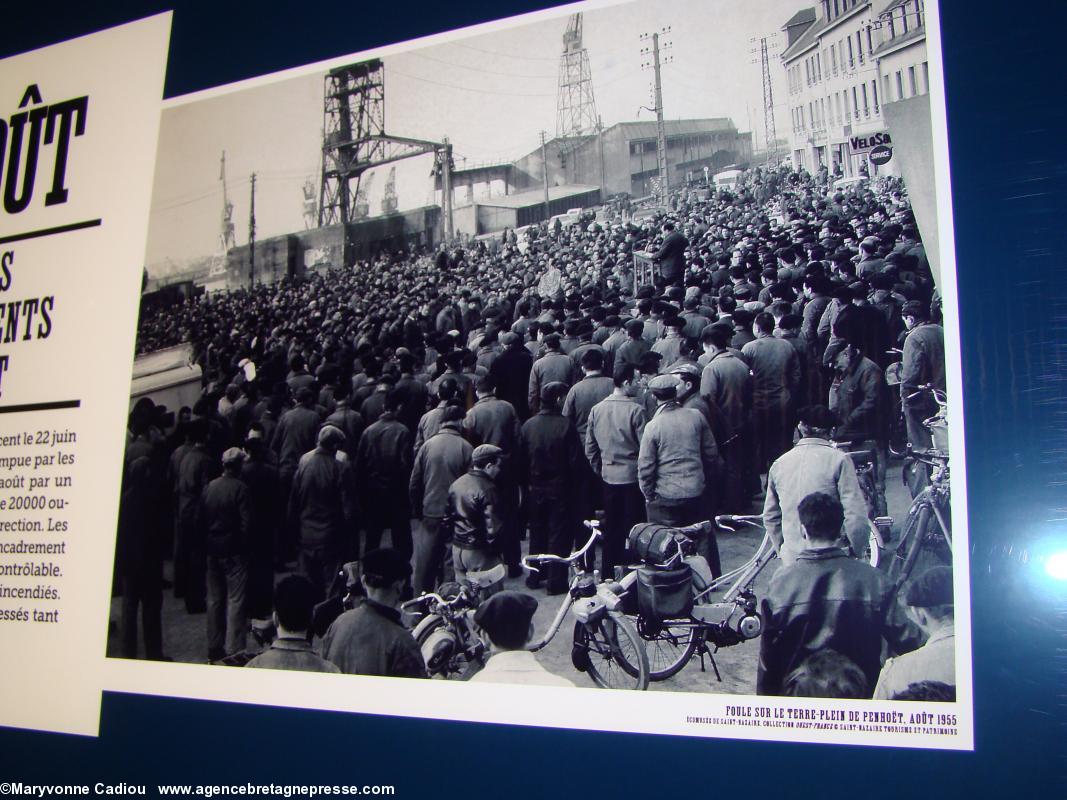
[727, 521]
[549, 558]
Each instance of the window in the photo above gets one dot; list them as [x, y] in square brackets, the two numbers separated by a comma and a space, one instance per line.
[926, 77]
[866, 108]
[851, 58]
[818, 68]
[870, 43]
[903, 19]
[911, 81]
[847, 112]
[900, 86]
[859, 47]
[892, 30]
[837, 102]
[855, 103]
[885, 87]
[837, 10]
[874, 95]
[833, 58]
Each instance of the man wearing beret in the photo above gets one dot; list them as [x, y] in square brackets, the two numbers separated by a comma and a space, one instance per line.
[507, 618]
[929, 602]
[369, 639]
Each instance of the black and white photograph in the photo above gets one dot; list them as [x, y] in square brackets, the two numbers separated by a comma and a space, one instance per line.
[610, 348]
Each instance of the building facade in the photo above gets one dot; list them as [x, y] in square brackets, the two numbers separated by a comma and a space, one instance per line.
[620, 159]
[843, 60]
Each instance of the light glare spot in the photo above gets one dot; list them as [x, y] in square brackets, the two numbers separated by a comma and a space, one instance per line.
[1056, 566]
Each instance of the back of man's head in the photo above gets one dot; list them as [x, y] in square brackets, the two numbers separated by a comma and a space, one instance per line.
[827, 673]
[822, 516]
[294, 599]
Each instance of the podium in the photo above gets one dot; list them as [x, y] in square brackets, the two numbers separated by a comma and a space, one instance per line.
[644, 270]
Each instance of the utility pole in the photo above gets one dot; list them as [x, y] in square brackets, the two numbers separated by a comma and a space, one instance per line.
[657, 94]
[600, 148]
[544, 173]
[446, 188]
[252, 237]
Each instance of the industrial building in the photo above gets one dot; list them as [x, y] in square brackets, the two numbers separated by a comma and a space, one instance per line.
[620, 159]
[292, 254]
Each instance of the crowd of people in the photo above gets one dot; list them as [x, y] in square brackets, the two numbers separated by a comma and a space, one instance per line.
[466, 400]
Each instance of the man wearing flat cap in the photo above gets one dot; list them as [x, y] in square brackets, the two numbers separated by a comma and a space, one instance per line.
[370, 639]
[227, 520]
[929, 603]
[507, 617]
[472, 513]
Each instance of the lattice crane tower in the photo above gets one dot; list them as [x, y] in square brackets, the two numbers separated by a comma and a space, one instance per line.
[576, 107]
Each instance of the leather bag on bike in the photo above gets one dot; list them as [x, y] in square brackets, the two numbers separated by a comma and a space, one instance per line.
[665, 593]
[652, 543]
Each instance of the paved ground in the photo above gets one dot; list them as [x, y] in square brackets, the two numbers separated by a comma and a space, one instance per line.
[184, 634]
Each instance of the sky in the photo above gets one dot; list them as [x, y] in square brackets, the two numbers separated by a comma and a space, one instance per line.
[491, 94]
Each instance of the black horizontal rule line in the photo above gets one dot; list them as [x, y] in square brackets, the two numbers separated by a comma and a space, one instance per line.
[74, 226]
[50, 406]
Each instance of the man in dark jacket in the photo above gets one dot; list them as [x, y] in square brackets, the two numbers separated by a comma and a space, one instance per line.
[827, 600]
[860, 399]
[227, 521]
[322, 509]
[268, 508]
[196, 470]
[370, 639]
[511, 371]
[671, 256]
[549, 465]
[493, 421]
[924, 364]
[473, 513]
[383, 469]
[294, 436]
[438, 464]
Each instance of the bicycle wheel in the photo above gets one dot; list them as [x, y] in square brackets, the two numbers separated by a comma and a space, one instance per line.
[670, 648]
[918, 549]
[616, 654]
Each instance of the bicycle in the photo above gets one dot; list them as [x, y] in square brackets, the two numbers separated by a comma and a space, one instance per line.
[671, 643]
[606, 645]
[452, 645]
[880, 525]
[927, 531]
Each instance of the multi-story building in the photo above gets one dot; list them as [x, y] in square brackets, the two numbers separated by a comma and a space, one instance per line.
[836, 83]
[901, 51]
